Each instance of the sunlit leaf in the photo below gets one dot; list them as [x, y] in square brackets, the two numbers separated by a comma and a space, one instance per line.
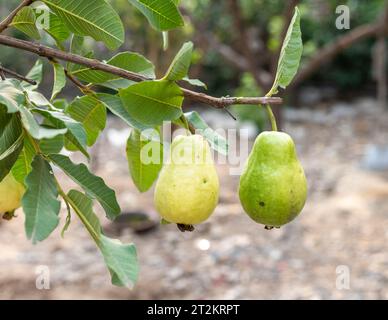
[90, 18]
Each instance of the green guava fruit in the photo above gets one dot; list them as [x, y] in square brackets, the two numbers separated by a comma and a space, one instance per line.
[273, 186]
[11, 193]
[186, 192]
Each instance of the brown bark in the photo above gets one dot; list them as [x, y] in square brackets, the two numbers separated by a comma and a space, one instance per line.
[95, 64]
[6, 22]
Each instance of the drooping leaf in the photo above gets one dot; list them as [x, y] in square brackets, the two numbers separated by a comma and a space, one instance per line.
[130, 61]
[91, 113]
[290, 55]
[145, 159]
[36, 130]
[90, 18]
[163, 15]
[59, 80]
[40, 204]
[121, 259]
[93, 185]
[25, 21]
[22, 166]
[152, 102]
[36, 73]
[181, 63]
[10, 95]
[216, 141]
[11, 140]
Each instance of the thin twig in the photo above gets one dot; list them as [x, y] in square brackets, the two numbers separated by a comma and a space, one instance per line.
[17, 75]
[7, 21]
[78, 83]
[95, 64]
[73, 79]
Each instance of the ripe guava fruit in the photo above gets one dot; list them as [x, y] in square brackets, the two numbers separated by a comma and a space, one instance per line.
[273, 186]
[187, 190]
[11, 193]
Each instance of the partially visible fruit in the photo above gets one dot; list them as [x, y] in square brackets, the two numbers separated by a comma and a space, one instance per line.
[11, 193]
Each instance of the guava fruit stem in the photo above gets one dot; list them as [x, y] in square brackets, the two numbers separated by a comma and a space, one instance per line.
[271, 118]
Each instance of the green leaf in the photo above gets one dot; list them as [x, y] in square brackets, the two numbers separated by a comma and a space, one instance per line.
[163, 15]
[83, 207]
[93, 185]
[57, 29]
[25, 22]
[90, 18]
[37, 99]
[290, 55]
[72, 144]
[36, 73]
[61, 120]
[78, 46]
[60, 104]
[10, 95]
[130, 61]
[152, 102]
[22, 166]
[121, 259]
[145, 159]
[59, 79]
[181, 63]
[91, 113]
[35, 129]
[216, 141]
[11, 141]
[195, 82]
[40, 204]
[116, 106]
[53, 145]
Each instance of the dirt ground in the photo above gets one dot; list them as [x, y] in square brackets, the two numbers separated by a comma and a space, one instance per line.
[343, 228]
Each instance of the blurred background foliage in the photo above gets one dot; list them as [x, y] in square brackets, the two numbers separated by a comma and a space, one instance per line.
[219, 31]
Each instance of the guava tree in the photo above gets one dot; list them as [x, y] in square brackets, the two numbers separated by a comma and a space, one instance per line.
[35, 128]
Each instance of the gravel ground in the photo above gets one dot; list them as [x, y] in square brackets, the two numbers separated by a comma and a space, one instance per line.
[336, 249]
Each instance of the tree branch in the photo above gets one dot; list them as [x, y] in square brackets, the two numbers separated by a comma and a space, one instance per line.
[6, 22]
[17, 75]
[95, 64]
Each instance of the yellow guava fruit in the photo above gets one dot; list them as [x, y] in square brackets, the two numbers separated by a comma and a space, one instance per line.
[187, 190]
[11, 193]
[273, 186]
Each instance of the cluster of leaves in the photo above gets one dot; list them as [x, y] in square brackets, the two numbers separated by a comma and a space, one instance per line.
[35, 129]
